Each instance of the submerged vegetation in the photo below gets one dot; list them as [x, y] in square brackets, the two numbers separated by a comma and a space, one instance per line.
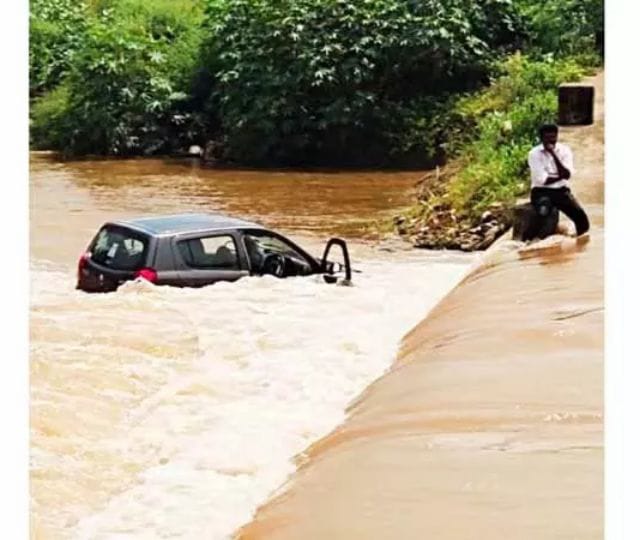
[405, 83]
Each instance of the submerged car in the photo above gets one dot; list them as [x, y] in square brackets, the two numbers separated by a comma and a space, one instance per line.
[194, 250]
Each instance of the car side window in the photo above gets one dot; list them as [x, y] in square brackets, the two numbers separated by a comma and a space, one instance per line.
[212, 252]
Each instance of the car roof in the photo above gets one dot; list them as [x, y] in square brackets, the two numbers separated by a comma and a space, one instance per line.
[185, 223]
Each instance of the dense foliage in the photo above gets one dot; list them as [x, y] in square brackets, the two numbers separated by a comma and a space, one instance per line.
[127, 90]
[295, 81]
[292, 82]
[56, 32]
[318, 81]
[564, 27]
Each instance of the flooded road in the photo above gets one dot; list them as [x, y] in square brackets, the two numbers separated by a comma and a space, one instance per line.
[159, 412]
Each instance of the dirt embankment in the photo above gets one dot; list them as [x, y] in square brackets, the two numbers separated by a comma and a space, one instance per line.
[489, 425]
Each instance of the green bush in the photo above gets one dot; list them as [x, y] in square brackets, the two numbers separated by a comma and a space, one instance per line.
[127, 89]
[564, 27]
[497, 159]
[172, 24]
[56, 29]
[49, 115]
[338, 82]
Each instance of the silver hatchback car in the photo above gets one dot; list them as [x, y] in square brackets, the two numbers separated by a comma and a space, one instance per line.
[194, 250]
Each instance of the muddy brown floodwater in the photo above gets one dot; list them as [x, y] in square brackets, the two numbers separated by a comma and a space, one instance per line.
[70, 199]
[159, 412]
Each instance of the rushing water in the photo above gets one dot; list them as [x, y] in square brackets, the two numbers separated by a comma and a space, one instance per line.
[160, 412]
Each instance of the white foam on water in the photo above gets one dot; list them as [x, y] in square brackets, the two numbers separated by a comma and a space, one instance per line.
[188, 405]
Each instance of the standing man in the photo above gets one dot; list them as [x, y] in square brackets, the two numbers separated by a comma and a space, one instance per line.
[551, 165]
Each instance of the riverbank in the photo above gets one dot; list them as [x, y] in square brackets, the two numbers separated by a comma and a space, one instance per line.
[468, 203]
[489, 425]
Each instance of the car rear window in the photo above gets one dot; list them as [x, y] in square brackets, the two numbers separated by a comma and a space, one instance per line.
[120, 248]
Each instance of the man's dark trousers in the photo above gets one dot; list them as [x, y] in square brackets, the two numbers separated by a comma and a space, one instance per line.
[563, 200]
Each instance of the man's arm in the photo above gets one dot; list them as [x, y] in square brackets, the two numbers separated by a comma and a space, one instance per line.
[563, 172]
[551, 180]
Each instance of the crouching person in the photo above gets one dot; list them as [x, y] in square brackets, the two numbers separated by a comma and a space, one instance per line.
[551, 165]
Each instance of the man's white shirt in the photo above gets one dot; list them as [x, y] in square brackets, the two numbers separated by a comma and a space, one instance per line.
[543, 165]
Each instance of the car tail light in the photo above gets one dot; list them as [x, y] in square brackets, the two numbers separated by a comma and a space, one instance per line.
[82, 263]
[147, 273]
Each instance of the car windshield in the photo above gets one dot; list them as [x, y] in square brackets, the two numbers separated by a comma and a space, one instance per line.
[119, 248]
[267, 243]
